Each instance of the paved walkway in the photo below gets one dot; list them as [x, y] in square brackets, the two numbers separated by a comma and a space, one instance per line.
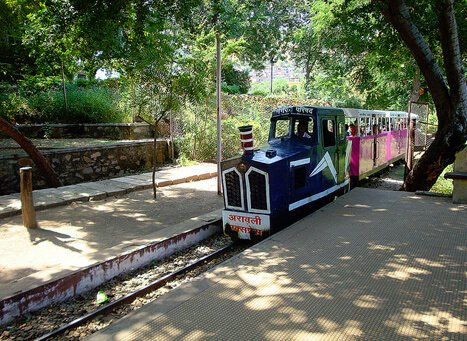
[91, 191]
[373, 265]
[86, 231]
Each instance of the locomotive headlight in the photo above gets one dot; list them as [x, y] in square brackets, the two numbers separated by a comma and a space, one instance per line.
[242, 167]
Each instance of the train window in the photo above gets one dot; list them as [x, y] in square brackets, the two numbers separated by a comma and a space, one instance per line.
[299, 177]
[395, 124]
[282, 128]
[384, 124]
[329, 138]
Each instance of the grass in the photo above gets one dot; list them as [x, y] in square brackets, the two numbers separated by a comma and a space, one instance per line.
[57, 143]
[443, 185]
[90, 105]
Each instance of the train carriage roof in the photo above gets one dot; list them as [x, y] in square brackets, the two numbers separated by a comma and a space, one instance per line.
[309, 111]
[351, 112]
[304, 110]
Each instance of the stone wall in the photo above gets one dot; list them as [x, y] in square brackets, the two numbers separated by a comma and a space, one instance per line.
[113, 131]
[75, 165]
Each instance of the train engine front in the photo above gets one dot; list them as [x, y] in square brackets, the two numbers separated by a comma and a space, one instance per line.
[264, 188]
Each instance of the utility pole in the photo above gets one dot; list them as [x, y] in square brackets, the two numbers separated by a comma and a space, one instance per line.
[272, 76]
[218, 104]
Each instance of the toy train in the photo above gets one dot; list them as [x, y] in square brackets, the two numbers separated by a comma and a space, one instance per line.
[309, 159]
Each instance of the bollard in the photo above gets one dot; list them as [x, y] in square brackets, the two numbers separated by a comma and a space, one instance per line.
[27, 203]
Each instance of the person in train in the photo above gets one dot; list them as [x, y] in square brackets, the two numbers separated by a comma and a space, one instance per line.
[375, 129]
[352, 129]
[347, 132]
[302, 130]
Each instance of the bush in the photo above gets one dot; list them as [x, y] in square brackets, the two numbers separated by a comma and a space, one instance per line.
[197, 129]
[85, 105]
[280, 86]
[259, 92]
[235, 81]
[33, 85]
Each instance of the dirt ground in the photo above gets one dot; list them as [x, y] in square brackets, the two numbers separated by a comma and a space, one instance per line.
[80, 234]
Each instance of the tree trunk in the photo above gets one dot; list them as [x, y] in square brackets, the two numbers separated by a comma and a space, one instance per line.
[154, 154]
[65, 97]
[41, 162]
[272, 76]
[432, 163]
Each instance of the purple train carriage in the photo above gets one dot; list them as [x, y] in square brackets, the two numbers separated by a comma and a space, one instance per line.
[307, 161]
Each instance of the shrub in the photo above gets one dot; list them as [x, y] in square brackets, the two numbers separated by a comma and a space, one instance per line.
[33, 85]
[259, 92]
[85, 105]
[280, 86]
[197, 129]
[235, 81]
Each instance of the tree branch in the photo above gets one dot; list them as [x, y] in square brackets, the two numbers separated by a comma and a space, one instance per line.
[397, 13]
[41, 162]
[451, 52]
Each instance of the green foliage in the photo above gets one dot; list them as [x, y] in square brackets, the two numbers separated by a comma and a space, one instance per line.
[235, 81]
[15, 61]
[352, 57]
[163, 83]
[50, 36]
[36, 84]
[184, 161]
[280, 86]
[85, 105]
[197, 130]
[268, 28]
[12, 104]
[38, 99]
[259, 92]
[443, 185]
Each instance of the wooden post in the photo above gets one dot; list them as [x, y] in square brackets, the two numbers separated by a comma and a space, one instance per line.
[409, 161]
[27, 203]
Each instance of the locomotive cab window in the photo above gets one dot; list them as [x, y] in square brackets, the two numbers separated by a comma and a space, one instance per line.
[328, 129]
[280, 128]
[303, 128]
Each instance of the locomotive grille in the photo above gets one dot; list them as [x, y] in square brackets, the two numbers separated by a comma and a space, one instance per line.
[258, 189]
[233, 189]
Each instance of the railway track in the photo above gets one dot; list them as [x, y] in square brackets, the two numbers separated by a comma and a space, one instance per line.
[80, 314]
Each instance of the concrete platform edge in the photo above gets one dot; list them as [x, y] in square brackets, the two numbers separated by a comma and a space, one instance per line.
[92, 276]
[161, 182]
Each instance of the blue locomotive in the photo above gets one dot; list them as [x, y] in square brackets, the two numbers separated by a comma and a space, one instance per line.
[308, 160]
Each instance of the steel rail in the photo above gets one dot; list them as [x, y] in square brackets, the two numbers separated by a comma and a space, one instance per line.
[132, 296]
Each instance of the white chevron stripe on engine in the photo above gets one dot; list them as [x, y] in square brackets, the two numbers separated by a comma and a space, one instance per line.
[323, 164]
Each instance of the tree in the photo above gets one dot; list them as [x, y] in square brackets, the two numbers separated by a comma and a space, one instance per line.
[449, 91]
[268, 28]
[166, 71]
[370, 53]
[351, 56]
[15, 61]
